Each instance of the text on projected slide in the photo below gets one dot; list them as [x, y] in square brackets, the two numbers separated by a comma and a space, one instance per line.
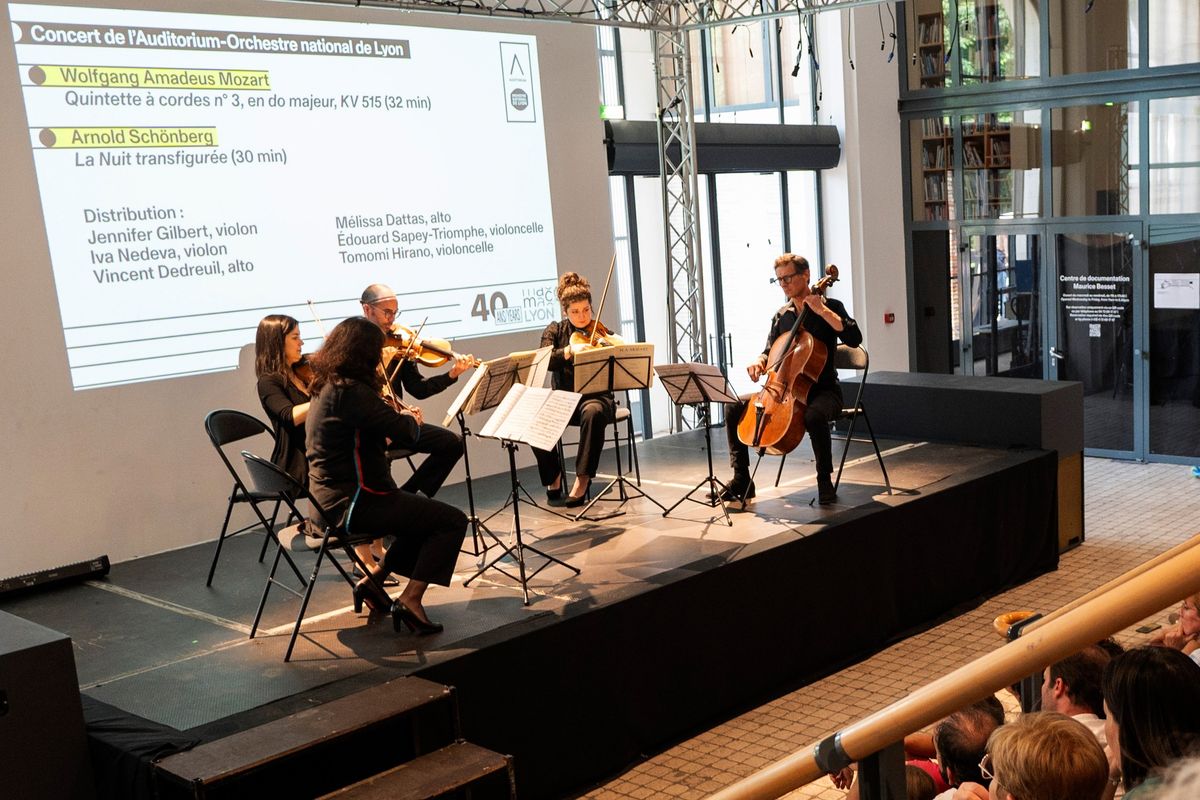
[198, 172]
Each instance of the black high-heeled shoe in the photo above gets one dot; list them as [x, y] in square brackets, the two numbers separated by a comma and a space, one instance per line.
[403, 615]
[369, 592]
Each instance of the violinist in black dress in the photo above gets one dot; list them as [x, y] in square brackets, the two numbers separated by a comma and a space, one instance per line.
[828, 322]
[594, 412]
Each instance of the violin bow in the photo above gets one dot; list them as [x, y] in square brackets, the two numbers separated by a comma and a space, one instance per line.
[603, 297]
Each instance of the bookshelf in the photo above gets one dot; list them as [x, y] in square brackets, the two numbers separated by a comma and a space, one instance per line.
[936, 159]
[931, 50]
[987, 166]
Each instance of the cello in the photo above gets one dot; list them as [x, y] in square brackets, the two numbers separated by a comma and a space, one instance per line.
[774, 418]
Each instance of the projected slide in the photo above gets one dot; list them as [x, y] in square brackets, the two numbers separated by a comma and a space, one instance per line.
[198, 172]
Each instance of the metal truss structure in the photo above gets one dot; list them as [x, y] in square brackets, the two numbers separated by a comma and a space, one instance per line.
[671, 21]
[656, 15]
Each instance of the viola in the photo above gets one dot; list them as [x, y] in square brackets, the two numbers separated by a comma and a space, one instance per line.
[774, 419]
[426, 351]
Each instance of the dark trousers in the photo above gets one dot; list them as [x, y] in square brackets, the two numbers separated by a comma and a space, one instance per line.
[444, 448]
[428, 533]
[592, 415]
[824, 405]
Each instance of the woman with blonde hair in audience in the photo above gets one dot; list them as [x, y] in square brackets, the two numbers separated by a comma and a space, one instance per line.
[1152, 705]
[1043, 756]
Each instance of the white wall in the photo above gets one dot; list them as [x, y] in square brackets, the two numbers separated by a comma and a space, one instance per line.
[863, 195]
[128, 471]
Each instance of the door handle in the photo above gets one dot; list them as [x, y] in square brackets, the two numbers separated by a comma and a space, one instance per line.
[1057, 354]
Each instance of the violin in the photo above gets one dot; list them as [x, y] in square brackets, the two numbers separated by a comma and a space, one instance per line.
[595, 335]
[428, 352]
[303, 370]
[774, 419]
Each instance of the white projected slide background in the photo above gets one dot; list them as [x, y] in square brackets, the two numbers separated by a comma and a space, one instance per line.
[198, 172]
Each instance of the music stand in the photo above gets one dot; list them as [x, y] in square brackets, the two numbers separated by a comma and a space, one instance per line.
[699, 385]
[537, 417]
[467, 399]
[605, 370]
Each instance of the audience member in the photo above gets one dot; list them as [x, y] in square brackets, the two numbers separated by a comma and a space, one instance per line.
[961, 742]
[1072, 687]
[1041, 756]
[1184, 635]
[1181, 781]
[1152, 705]
[919, 783]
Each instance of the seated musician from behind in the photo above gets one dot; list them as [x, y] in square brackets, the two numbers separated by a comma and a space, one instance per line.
[349, 427]
[594, 411]
[444, 447]
[283, 393]
[828, 322]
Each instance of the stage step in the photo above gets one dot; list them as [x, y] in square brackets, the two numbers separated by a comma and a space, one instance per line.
[319, 749]
[459, 770]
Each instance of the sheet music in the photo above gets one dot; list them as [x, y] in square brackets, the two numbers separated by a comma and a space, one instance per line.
[708, 383]
[540, 367]
[632, 369]
[465, 394]
[532, 415]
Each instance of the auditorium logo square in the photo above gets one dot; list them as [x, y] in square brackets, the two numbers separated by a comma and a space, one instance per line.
[516, 64]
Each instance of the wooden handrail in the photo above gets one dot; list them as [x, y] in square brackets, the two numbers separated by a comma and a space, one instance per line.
[1139, 593]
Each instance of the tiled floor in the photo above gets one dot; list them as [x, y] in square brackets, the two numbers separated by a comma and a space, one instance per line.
[1132, 513]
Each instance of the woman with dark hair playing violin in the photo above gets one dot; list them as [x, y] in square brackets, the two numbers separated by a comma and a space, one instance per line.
[350, 426]
[283, 393]
[443, 446]
[595, 410]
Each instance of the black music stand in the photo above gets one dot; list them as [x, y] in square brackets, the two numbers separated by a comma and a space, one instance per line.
[607, 369]
[458, 410]
[700, 385]
[552, 410]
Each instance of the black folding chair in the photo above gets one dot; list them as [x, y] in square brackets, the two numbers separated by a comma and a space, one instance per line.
[856, 358]
[268, 479]
[224, 427]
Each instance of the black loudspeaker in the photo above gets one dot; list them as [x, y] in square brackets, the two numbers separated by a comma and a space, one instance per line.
[43, 744]
[723, 147]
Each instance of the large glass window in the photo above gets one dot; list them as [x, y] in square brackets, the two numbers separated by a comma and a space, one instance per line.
[1090, 149]
[741, 72]
[1093, 37]
[749, 229]
[997, 40]
[1174, 32]
[797, 88]
[1001, 165]
[1175, 155]
[929, 32]
[932, 159]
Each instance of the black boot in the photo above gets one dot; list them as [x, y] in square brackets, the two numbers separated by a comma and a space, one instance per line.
[825, 491]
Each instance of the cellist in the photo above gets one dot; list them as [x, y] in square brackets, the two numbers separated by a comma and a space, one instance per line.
[827, 322]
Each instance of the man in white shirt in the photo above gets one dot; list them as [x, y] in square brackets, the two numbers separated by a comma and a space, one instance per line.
[1072, 687]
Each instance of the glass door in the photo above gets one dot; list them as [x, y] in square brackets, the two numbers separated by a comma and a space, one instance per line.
[1002, 275]
[1096, 337]
[1173, 345]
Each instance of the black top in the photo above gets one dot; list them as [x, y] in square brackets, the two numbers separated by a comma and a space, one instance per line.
[410, 378]
[348, 428]
[821, 330]
[562, 370]
[279, 396]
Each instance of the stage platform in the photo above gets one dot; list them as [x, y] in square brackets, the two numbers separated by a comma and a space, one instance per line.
[671, 625]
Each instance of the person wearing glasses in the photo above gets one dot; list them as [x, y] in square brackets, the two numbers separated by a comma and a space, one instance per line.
[828, 322]
[442, 446]
[1040, 756]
